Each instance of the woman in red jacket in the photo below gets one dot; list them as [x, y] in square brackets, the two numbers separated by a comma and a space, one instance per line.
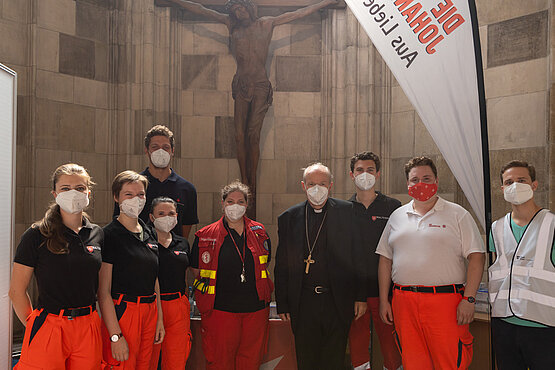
[232, 286]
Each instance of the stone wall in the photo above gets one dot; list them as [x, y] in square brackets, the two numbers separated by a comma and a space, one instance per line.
[94, 75]
[518, 48]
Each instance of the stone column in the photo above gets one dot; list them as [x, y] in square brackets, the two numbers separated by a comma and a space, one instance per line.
[354, 96]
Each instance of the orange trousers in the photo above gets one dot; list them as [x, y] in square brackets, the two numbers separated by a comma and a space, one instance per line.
[429, 336]
[55, 342]
[138, 326]
[361, 332]
[177, 342]
[234, 341]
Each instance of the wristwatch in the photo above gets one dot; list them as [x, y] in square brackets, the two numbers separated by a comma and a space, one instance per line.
[470, 299]
[114, 338]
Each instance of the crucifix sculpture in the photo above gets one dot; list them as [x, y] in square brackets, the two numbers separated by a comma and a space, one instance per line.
[251, 87]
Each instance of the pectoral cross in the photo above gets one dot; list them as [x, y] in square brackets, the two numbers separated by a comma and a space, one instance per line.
[308, 261]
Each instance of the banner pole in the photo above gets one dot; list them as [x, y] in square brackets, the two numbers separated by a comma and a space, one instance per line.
[485, 143]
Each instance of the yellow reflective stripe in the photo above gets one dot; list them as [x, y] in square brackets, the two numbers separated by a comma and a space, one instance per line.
[264, 274]
[211, 274]
[263, 259]
[200, 286]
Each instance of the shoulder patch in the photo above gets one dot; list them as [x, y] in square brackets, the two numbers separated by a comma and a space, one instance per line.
[206, 258]
[256, 227]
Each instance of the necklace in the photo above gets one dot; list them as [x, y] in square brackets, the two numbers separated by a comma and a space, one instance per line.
[242, 256]
[308, 261]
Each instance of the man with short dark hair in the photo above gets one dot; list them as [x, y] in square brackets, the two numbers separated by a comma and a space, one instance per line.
[522, 279]
[319, 272]
[164, 181]
[374, 209]
[433, 252]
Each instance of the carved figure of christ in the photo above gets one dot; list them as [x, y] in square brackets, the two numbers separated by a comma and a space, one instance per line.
[252, 91]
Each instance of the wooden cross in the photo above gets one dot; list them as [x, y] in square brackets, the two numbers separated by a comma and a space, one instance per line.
[308, 261]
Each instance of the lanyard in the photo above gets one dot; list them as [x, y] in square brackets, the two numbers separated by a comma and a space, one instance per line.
[242, 256]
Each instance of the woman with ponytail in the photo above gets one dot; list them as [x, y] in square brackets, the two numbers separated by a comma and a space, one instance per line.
[63, 251]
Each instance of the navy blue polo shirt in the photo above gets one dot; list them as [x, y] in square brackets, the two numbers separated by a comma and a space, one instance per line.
[372, 223]
[176, 188]
[68, 280]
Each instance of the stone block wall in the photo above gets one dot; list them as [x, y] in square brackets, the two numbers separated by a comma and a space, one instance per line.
[95, 75]
[518, 67]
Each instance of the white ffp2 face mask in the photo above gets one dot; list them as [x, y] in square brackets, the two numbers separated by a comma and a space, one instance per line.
[132, 207]
[72, 201]
[365, 181]
[160, 158]
[317, 194]
[235, 211]
[165, 223]
[518, 193]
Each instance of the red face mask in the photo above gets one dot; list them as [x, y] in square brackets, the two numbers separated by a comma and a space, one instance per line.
[422, 191]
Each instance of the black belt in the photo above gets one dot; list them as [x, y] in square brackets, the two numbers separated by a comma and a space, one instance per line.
[171, 296]
[70, 313]
[452, 288]
[134, 299]
[318, 289]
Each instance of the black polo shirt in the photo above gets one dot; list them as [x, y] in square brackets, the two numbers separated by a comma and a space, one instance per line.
[64, 280]
[173, 263]
[176, 188]
[231, 294]
[134, 261]
[372, 223]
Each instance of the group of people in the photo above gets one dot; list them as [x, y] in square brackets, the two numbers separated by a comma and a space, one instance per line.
[412, 270]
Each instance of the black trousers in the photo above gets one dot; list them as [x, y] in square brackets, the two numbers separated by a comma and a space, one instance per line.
[320, 335]
[521, 347]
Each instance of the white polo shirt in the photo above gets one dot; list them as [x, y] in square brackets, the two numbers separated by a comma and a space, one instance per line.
[431, 249]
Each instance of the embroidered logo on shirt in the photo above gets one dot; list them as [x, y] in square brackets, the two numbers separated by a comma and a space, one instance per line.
[152, 246]
[266, 246]
[177, 253]
[92, 248]
[206, 257]
[374, 218]
[523, 258]
[256, 227]
[439, 226]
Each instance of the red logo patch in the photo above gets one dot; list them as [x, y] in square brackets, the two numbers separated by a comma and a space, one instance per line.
[176, 253]
[374, 218]
[90, 248]
[152, 246]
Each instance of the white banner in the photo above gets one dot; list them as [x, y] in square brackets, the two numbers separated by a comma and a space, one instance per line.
[429, 45]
